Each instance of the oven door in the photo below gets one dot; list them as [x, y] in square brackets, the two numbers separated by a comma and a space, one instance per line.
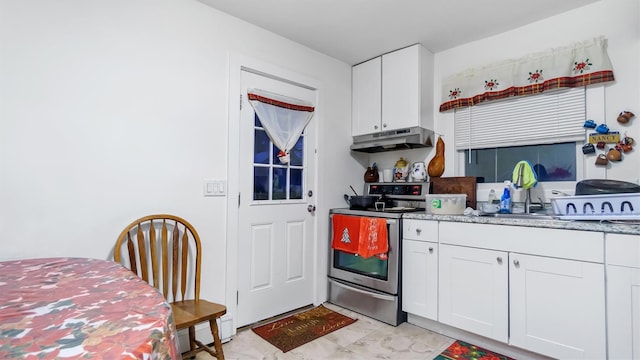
[373, 273]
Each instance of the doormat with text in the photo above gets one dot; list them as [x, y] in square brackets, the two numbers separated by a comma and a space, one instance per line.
[295, 330]
[461, 350]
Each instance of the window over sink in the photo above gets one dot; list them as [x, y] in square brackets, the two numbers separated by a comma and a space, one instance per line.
[551, 162]
[545, 129]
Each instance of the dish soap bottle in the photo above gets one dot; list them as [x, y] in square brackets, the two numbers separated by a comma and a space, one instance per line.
[505, 200]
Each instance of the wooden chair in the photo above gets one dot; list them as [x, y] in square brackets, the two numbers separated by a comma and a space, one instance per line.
[157, 248]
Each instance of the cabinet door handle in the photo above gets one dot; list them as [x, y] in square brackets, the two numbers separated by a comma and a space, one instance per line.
[375, 127]
[384, 125]
[516, 263]
[499, 258]
[431, 250]
[418, 231]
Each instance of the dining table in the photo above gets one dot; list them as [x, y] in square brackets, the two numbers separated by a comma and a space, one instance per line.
[81, 308]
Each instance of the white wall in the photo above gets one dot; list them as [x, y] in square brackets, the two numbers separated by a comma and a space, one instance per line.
[617, 20]
[111, 110]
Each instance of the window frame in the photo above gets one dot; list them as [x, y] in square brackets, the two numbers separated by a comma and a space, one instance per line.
[272, 164]
[585, 168]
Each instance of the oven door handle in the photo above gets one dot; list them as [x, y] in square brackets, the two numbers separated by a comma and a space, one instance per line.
[374, 295]
[389, 221]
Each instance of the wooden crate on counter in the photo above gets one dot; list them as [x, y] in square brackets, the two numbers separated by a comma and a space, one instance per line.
[456, 185]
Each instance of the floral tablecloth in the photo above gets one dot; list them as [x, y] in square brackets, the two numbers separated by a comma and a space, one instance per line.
[61, 308]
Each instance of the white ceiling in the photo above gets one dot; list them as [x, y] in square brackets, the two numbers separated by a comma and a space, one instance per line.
[357, 30]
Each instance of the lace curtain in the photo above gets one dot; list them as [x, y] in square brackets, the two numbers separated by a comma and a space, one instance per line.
[283, 118]
[577, 65]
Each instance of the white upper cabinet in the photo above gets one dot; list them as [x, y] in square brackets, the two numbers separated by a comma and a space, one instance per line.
[393, 91]
[366, 97]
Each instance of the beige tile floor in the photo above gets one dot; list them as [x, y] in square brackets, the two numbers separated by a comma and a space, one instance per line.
[365, 339]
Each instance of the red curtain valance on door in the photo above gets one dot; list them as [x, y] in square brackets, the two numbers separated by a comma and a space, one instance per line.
[581, 64]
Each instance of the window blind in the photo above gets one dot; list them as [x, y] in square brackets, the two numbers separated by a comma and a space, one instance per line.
[538, 119]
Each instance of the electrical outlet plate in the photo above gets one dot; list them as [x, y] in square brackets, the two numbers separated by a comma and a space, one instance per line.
[213, 187]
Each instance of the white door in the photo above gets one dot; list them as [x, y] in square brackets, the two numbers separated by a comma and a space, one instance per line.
[275, 226]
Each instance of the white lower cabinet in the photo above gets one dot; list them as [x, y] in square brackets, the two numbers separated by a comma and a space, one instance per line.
[538, 289]
[557, 307]
[623, 296]
[420, 283]
[473, 293]
[420, 268]
[623, 306]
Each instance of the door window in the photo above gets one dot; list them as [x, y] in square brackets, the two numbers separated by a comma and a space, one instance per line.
[274, 179]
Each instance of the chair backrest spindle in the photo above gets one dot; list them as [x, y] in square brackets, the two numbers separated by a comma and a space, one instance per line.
[142, 254]
[185, 259]
[175, 266]
[154, 255]
[132, 254]
[165, 260]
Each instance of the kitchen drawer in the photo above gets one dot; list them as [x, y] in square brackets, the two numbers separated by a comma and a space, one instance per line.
[421, 230]
[558, 243]
[623, 250]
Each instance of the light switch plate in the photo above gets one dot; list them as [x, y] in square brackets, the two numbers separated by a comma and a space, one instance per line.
[213, 187]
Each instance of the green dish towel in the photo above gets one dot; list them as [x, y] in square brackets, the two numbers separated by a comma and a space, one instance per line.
[529, 177]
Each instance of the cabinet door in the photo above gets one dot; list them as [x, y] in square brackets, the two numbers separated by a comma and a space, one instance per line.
[401, 81]
[623, 312]
[420, 278]
[366, 97]
[557, 306]
[473, 290]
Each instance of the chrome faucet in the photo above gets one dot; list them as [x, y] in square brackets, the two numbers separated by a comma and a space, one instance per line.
[527, 199]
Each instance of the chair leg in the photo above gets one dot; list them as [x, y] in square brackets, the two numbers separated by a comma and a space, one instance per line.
[192, 338]
[216, 339]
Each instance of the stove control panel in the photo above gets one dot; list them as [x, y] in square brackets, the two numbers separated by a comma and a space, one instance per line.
[398, 190]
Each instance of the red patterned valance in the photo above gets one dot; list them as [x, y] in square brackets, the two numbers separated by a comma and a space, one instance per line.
[581, 64]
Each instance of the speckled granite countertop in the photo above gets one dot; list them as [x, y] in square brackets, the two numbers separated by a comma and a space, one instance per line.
[609, 227]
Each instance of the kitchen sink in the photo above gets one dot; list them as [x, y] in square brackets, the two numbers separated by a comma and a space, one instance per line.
[530, 216]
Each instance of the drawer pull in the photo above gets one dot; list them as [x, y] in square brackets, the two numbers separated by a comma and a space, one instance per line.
[418, 231]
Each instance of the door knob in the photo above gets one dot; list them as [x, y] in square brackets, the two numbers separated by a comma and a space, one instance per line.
[311, 208]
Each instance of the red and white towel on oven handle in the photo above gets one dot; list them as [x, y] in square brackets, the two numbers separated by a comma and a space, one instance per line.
[364, 236]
